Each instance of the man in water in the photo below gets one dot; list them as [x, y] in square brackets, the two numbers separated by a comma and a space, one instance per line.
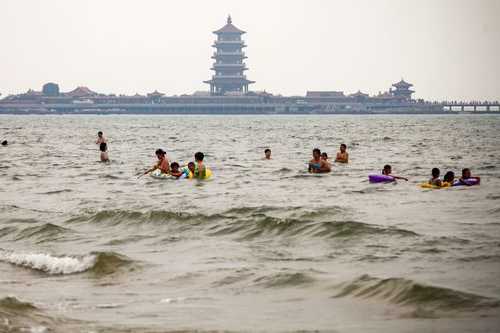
[435, 177]
[103, 147]
[162, 163]
[267, 154]
[100, 138]
[467, 175]
[317, 164]
[387, 171]
[342, 155]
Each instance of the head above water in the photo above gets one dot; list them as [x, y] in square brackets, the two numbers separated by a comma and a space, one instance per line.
[435, 172]
[174, 166]
[466, 173]
[160, 153]
[316, 153]
[324, 156]
[4, 143]
[99, 134]
[387, 170]
[267, 152]
[103, 147]
[449, 177]
[343, 147]
[199, 156]
[191, 166]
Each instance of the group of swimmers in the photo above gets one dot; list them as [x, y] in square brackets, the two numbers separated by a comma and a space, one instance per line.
[319, 163]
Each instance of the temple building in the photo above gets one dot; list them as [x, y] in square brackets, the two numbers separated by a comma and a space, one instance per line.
[402, 90]
[229, 66]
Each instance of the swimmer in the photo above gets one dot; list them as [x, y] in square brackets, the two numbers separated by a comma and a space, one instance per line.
[200, 170]
[324, 157]
[467, 175]
[4, 143]
[103, 147]
[318, 165]
[100, 138]
[449, 177]
[162, 163]
[388, 170]
[267, 154]
[191, 167]
[174, 170]
[435, 178]
[342, 155]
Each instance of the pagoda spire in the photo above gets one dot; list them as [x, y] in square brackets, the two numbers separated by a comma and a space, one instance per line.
[229, 20]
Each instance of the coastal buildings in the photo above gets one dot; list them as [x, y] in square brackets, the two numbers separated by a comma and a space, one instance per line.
[229, 67]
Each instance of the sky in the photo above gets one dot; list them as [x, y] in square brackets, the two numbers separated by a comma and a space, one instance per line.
[449, 49]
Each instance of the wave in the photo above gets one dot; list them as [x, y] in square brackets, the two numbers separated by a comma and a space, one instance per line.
[407, 292]
[281, 280]
[43, 233]
[99, 263]
[12, 304]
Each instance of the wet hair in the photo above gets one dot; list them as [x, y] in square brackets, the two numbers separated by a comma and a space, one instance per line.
[174, 165]
[4, 143]
[325, 155]
[449, 176]
[316, 150]
[267, 151]
[435, 172]
[103, 146]
[160, 151]
[99, 133]
[190, 164]
[199, 156]
[386, 167]
[343, 145]
[464, 171]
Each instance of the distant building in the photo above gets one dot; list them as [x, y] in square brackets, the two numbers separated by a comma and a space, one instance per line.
[81, 92]
[50, 89]
[229, 66]
[330, 94]
[402, 90]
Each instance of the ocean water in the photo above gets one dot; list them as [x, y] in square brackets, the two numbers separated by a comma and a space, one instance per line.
[263, 246]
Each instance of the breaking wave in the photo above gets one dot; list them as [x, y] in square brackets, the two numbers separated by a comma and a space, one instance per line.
[407, 292]
[100, 263]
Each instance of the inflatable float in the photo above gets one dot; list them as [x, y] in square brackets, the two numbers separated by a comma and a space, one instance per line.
[435, 187]
[377, 178]
[466, 182]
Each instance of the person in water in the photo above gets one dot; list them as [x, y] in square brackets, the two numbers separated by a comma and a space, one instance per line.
[162, 163]
[103, 147]
[200, 170]
[191, 167]
[267, 154]
[4, 143]
[317, 164]
[435, 177]
[467, 175]
[324, 157]
[387, 171]
[100, 138]
[175, 171]
[449, 177]
[342, 155]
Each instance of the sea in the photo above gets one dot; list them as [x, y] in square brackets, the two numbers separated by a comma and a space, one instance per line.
[263, 245]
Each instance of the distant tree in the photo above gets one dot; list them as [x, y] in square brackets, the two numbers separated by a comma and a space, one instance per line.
[50, 89]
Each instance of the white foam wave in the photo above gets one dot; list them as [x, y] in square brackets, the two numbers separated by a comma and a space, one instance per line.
[48, 263]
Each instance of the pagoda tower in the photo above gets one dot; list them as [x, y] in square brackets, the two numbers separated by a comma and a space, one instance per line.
[402, 90]
[228, 66]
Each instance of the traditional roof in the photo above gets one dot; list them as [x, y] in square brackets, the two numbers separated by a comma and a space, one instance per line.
[229, 28]
[81, 92]
[402, 84]
[156, 94]
[358, 94]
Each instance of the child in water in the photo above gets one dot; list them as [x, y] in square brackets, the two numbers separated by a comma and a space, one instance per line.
[267, 154]
[200, 170]
[388, 170]
[103, 147]
[467, 175]
[174, 170]
[435, 178]
[324, 157]
[100, 138]
[449, 177]
[342, 155]
[162, 163]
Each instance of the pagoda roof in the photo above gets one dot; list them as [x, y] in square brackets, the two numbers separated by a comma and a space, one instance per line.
[156, 93]
[81, 92]
[358, 94]
[229, 28]
[402, 84]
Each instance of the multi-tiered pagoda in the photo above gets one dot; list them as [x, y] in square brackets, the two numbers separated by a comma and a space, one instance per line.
[402, 90]
[229, 66]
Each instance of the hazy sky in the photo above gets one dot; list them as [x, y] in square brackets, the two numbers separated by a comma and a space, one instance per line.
[447, 49]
